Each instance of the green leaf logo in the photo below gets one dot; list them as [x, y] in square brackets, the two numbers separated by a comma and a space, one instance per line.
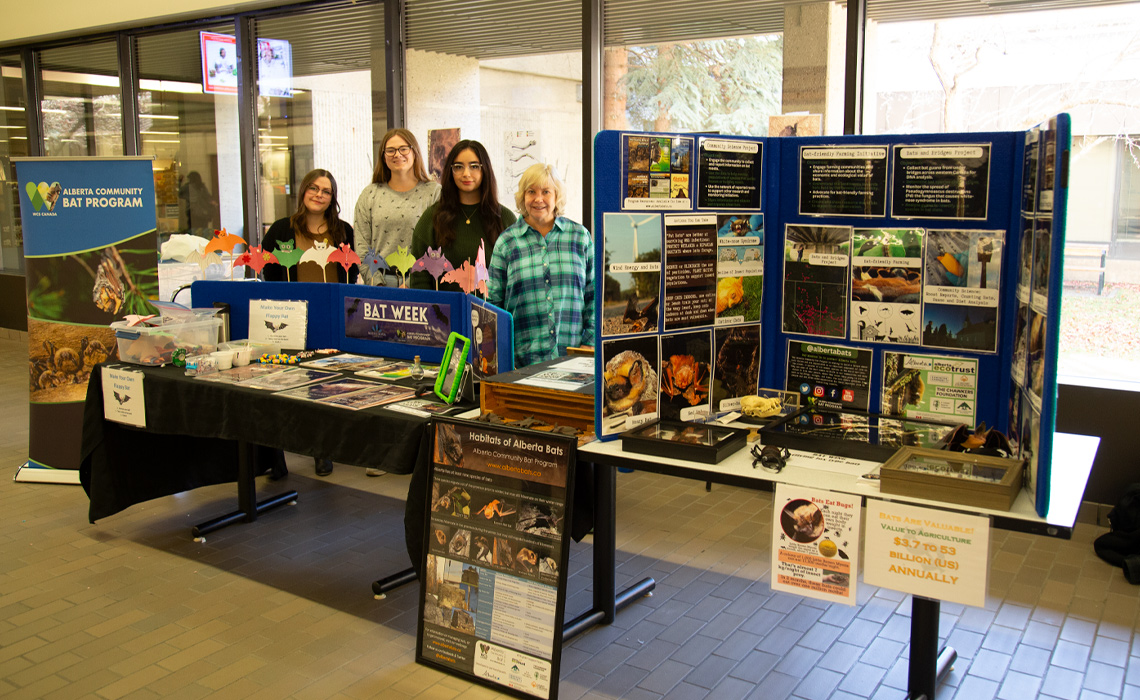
[34, 195]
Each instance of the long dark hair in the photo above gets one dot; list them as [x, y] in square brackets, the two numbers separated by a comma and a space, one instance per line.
[449, 210]
[332, 214]
[383, 173]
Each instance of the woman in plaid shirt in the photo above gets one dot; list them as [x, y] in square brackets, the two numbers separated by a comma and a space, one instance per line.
[542, 271]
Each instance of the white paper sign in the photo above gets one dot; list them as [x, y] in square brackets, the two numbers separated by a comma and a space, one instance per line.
[282, 323]
[815, 543]
[123, 396]
[927, 552]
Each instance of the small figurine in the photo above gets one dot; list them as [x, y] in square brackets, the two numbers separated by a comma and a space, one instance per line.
[770, 457]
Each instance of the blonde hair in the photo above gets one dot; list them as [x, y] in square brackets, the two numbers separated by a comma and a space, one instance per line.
[537, 174]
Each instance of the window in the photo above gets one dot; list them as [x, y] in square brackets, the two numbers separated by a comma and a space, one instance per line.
[329, 113]
[13, 142]
[82, 114]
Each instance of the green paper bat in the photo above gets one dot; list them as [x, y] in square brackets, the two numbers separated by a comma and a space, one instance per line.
[402, 260]
[287, 256]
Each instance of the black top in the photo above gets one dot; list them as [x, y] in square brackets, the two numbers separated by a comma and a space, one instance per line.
[282, 232]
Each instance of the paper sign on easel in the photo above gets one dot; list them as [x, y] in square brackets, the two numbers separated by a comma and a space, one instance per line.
[282, 323]
[123, 400]
[928, 552]
[815, 543]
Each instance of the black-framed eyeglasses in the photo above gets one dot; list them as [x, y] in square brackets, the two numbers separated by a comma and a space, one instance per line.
[770, 457]
[393, 150]
[460, 167]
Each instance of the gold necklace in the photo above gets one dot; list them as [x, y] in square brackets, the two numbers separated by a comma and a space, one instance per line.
[467, 214]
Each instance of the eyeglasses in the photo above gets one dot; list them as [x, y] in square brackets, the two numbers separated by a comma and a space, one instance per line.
[460, 167]
[314, 190]
[402, 150]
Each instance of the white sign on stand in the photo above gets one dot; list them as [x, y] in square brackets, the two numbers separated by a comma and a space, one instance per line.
[927, 552]
[815, 543]
[282, 323]
[123, 400]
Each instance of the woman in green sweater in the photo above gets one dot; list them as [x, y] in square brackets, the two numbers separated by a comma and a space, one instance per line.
[468, 213]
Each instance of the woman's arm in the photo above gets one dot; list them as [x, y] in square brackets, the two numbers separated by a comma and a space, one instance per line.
[362, 225]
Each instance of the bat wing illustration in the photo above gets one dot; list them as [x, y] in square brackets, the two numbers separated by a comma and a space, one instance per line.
[122, 398]
[275, 326]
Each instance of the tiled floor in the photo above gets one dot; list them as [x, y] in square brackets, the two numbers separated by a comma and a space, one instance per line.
[131, 607]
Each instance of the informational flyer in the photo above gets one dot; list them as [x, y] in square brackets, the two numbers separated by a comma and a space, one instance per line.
[485, 344]
[816, 264]
[736, 365]
[829, 376]
[686, 373]
[690, 270]
[123, 397]
[632, 281]
[941, 181]
[740, 268]
[281, 323]
[928, 552]
[656, 172]
[843, 180]
[815, 543]
[886, 285]
[629, 383]
[407, 322]
[728, 174]
[1025, 258]
[493, 591]
[961, 289]
[930, 387]
[1029, 171]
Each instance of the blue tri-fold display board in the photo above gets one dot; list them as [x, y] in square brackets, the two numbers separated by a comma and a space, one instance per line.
[914, 276]
[382, 321]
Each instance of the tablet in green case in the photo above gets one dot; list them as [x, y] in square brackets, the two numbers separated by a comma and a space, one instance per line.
[450, 378]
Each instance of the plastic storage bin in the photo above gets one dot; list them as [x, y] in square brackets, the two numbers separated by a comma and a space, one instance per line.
[155, 345]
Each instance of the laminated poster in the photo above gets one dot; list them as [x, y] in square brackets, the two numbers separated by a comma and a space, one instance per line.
[406, 322]
[656, 172]
[815, 543]
[629, 383]
[632, 280]
[686, 374]
[930, 387]
[690, 270]
[886, 286]
[843, 180]
[816, 262]
[281, 323]
[961, 289]
[123, 398]
[829, 376]
[928, 552]
[948, 181]
[736, 365]
[739, 268]
[728, 174]
[493, 591]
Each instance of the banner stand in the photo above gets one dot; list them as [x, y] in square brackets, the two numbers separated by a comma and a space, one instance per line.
[30, 473]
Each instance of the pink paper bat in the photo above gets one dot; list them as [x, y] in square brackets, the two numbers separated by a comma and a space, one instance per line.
[481, 275]
[464, 277]
[255, 258]
[346, 256]
[433, 262]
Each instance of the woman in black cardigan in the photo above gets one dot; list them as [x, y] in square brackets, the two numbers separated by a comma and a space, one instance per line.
[315, 223]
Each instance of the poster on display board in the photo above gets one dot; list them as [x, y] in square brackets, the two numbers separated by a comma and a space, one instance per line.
[815, 543]
[631, 274]
[493, 589]
[829, 376]
[656, 173]
[886, 285]
[728, 174]
[816, 264]
[89, 248]
[405, 322]
[930, 387]
[941, 181]
[962, 289]
[843, 180]
[219, 63]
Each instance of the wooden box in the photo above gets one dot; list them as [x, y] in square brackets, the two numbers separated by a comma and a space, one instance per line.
[955, 477]
[505, 397]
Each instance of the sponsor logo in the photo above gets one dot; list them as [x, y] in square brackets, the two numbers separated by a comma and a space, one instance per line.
[43, 195]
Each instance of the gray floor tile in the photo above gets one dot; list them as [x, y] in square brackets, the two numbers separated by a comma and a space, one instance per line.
[1103, 678]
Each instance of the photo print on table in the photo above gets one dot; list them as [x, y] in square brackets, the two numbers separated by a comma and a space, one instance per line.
[961, 289]
[631, 285]
[736, 365]
[686, 375]
[886, 285]
[816, 262]
[740, 268]
[629, 383]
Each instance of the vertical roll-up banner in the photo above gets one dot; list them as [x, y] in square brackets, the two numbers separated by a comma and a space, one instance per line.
[91, 255]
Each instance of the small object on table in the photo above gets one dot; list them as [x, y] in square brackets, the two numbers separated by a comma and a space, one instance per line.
[770, 457]
[278, 359]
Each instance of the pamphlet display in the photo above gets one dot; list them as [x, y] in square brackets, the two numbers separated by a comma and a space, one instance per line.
[280, 323]
[493, 591]
[815, 543]
[940, 248]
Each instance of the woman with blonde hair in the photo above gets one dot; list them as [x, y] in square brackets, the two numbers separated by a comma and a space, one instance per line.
[388, 209]
[542, 271]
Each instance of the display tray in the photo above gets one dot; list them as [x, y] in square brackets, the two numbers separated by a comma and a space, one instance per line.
[696, 442]
[851, 434]
[955, 477]
[505, 396]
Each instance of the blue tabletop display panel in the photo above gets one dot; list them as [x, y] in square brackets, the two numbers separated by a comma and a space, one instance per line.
[382, 321]
[732, 263]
